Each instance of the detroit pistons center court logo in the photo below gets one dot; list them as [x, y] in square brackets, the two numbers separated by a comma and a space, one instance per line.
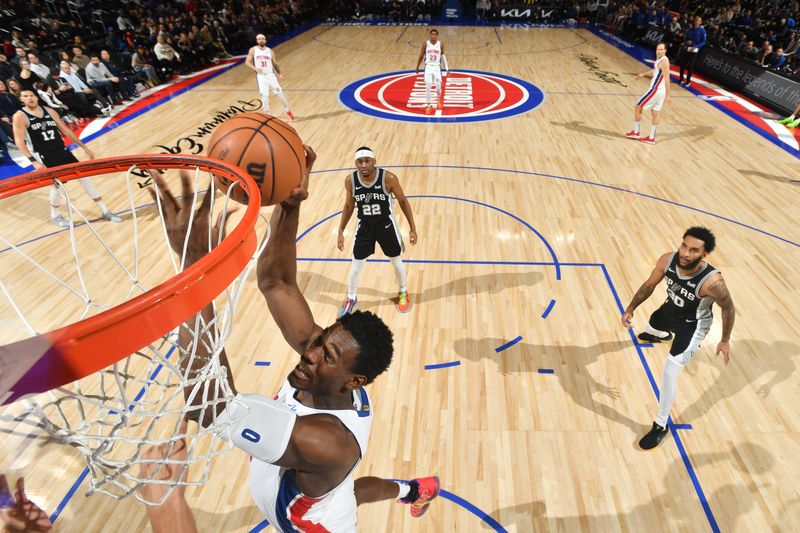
[469, 96]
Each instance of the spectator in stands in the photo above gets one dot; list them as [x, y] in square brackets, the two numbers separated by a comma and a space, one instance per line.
[101, 80]
[64, 56]
[729, 45]
[77, 84]
[27, 78]
[792, 46]
[776, 60]
[77, 102]
[7, 69]
[167, 59]
[126, 83]
[141, 64]
[693, 42]
[9, 104]
[123, 22]
[13, 86]
[41, 70]
[79, 58]
[48, 98]
[764, 53]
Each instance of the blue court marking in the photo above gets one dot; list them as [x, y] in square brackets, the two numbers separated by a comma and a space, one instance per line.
[583, 182]
[260, 527]
[549, 308]
[547, 371]
[508, 345]
[645, 345]
[642, 55]
[681, 426]
[262, 363]
[485, 518]
[442, 365]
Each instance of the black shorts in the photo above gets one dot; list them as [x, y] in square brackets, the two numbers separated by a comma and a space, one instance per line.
[384, 232]
[689, 333]
[56, 159]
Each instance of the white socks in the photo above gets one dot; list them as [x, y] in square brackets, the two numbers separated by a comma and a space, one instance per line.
[657, 332]
[88, 186]
[636, 126]
[404, 489]
[653, 131]
[669, 388]
[355, 274]
[400, 272]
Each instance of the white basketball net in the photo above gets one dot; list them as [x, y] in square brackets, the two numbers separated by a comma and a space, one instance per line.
[114, 416]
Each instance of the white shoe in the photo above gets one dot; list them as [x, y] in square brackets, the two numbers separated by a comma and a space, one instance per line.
[111, 217]
[60, 221]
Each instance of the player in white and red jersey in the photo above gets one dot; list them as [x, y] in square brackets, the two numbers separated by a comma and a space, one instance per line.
[433, 53]
[261, 59]
[655, 97]
[305, 441]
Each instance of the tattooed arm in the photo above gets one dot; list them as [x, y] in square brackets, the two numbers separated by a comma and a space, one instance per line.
[715, 288]
[646, 289]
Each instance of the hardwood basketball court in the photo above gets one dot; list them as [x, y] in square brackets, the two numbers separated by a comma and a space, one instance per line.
[513, 214]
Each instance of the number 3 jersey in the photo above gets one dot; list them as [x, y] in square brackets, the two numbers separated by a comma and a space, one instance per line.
[683, 292]
[373, 203]
[277, 495]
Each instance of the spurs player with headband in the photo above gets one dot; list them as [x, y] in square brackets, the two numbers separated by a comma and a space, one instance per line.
[371, 192]
[655, 97]
[433, 53]
[693, 286]
[305, 440]
[37, 132]
[261, 59]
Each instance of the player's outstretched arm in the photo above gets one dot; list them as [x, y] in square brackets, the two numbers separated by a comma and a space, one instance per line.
[277, 269]
[646, 289]
[347, 211]
[716, 288]
[393, 187]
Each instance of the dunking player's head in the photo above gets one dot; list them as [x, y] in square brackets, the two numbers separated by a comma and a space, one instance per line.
[434, 36]
[661, 50]
[365, 161]
[345, 356]
[697, 243]
[261, 40]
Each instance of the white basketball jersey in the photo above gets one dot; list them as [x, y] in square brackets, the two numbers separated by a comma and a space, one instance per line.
[262, 59]
[277, 495]
[657, 75]
[433, 54]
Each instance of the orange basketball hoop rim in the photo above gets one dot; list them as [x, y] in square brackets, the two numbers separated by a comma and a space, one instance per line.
[58, 357]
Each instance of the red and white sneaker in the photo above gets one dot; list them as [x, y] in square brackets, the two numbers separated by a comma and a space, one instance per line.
[428, 110]
[428, 489]
[290, 115]
[633, 135]
[648, 140]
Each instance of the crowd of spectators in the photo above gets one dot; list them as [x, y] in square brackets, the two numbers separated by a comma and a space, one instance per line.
[764, 32]
[86, 56]
[384, 10]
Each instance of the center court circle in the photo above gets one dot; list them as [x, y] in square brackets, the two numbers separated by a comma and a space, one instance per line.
[469, 96]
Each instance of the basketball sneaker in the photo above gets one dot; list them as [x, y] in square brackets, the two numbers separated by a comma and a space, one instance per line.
[648, 140]
[654, 437]
[423, 490]
[634, 135]
[428, 110]
[786, 120]
[649, 337]
[60, 221]
[111, 217]
[793, 124]
[348, 307]
[402, 301]
[290, 115]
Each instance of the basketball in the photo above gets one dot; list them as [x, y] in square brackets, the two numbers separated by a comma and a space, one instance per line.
[266, 148]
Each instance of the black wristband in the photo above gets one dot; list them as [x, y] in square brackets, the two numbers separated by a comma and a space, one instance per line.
[31, 159]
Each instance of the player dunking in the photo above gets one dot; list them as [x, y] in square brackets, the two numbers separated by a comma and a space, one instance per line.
[37, 133]
[433, 53]
[371, 192]
[655, 97]
[306, 440]
[692, 288]
[261, 59]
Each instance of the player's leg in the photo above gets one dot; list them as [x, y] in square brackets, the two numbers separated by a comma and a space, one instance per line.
[687, 342]
[658, 327]
[428, 83]
[417, 492]
[55, 202]
[94, 194]
[438, 81]
[276, 88]
[690, 68]
[635, 133]
[363, 247]
[391, 242]
[792, 121]
[654, 105]
[263, 90]
[682, 62]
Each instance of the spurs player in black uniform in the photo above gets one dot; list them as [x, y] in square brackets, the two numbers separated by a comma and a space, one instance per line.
[372, 192]
[37, 133]
[693, 286]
